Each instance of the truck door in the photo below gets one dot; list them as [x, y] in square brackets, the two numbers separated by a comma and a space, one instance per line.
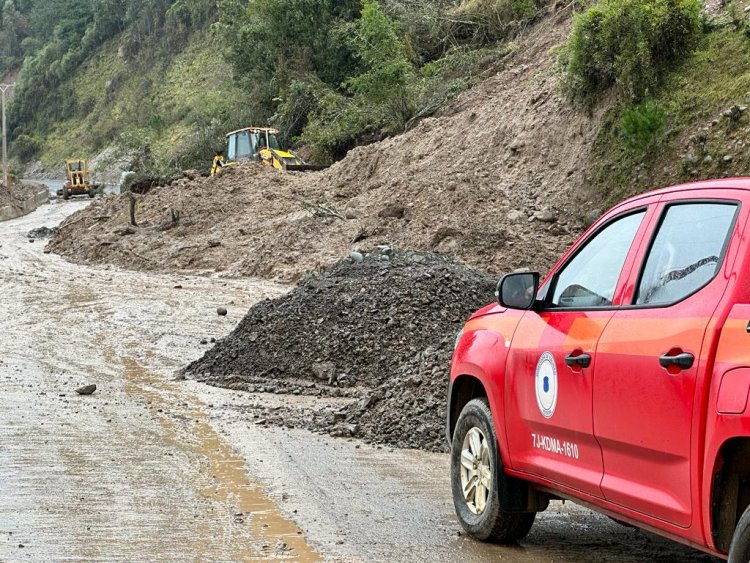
[551, 361]
[650, 356]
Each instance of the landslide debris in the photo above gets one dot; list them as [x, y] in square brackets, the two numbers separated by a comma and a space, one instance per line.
[497, 180]
[41, 232]
[379, 332]
[20, 192]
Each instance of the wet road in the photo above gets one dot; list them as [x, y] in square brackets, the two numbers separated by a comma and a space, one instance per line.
[149, 468]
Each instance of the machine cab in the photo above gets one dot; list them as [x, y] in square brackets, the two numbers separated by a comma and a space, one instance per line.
[249, 142]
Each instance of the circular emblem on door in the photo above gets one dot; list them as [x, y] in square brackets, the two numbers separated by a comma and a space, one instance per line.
[546, 384]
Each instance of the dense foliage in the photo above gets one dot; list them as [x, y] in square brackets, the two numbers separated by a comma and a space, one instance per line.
[628, 44]
[52, 38]
[335, 73]
[329, 73]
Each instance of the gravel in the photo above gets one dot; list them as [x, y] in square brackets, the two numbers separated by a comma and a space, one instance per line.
[379, 332]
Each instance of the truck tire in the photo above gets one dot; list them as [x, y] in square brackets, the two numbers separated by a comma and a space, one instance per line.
[739, 550]
[65, 193]
[475, 460]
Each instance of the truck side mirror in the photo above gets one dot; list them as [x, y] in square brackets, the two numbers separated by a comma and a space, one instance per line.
[518, 290]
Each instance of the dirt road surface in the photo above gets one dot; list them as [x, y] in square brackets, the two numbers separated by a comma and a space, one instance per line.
[149, 468]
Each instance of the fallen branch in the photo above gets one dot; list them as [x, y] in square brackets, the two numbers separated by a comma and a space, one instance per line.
[66, 225]
[139, 256]
[318, 210]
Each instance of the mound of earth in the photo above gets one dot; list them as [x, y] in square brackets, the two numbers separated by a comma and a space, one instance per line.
[20, 192]
[379, 332]
[497, 180]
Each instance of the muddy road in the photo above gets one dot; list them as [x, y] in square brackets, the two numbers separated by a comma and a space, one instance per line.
[153, 468]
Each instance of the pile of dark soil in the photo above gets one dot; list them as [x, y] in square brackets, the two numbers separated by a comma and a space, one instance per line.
[41, 232]
[379, 331]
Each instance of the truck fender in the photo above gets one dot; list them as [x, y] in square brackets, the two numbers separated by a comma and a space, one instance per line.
[479, 362]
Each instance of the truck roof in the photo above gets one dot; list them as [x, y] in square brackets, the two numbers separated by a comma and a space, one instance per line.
[739, 183]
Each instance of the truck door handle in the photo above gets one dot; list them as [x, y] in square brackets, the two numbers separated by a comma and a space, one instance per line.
[582, 360]
[683, 360]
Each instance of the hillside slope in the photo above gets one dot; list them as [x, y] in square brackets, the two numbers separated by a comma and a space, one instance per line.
[497, 180]
[163, 106]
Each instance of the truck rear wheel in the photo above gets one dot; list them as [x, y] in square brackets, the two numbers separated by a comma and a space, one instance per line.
[475, 467]
[65, 192]
[739, 550]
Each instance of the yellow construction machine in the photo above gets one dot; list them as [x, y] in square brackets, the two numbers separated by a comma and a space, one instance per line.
[77, 181]
[261, 144]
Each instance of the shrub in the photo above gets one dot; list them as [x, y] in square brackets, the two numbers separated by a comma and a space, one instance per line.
[628, 44]
[641, 124]
[335, 125]
[424, 27]
[379, 98]
[26, 147]
[386, 68]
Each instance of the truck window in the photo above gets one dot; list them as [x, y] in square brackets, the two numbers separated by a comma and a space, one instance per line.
[686, 253]
[590, 278]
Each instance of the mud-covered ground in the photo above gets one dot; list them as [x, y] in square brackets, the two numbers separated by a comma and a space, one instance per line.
[148, 468]
[19, 192]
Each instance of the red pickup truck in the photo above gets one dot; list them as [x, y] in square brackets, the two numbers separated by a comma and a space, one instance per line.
[620, 382]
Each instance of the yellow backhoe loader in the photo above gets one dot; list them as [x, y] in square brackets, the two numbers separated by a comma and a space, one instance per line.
[77, 181]
[261, 144]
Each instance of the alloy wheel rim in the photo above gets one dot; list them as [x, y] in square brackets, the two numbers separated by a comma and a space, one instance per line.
[476, 470]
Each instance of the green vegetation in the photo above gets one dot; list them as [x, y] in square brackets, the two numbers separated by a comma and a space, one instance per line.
[163, 80]
[672, 73]
[485, 21]
[641, 124]
[628, 44]
[93, 70]
[633, 152]
[334, 74]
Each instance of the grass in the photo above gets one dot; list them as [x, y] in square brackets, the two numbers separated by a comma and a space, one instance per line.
[168, 100]
[716, 76]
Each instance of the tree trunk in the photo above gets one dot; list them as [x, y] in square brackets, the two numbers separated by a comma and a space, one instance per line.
[131, 197]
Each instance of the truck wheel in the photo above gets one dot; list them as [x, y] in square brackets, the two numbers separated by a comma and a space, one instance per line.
[65, 192]
[475, 466]
[739, 551]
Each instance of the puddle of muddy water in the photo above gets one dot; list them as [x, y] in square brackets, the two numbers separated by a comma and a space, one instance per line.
[227, 481]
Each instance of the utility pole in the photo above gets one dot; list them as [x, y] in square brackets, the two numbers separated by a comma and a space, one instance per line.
[6, 179]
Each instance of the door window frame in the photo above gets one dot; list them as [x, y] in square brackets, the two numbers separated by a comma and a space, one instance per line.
[548, 290]
[666, 206]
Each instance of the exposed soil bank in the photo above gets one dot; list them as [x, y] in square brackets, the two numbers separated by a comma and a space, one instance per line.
[22, 200]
